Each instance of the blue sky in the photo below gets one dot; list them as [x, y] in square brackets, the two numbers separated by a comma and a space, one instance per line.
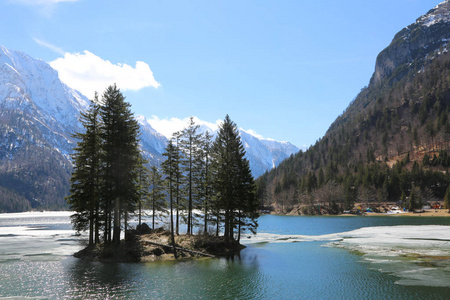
[284, 69]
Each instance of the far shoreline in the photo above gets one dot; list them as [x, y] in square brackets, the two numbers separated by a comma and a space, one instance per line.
[425, 213]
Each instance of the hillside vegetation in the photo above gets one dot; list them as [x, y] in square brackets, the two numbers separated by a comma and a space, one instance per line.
[390, 144]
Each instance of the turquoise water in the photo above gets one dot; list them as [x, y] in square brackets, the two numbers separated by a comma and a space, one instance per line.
[293, 258]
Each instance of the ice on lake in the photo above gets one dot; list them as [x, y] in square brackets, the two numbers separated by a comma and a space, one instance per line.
[418, 255]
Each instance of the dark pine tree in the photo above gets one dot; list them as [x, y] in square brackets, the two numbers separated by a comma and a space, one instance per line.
[84, 196]
[190, 147]
[121, 159]
[169, 169]
[233, 184]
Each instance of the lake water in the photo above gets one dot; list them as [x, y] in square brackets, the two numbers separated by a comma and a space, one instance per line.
[301, 257]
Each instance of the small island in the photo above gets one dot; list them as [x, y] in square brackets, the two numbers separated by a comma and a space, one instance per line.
[146, 245]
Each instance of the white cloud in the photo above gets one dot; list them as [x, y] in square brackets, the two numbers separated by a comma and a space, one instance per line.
[88, 73]
[167, 126]
[49, 46]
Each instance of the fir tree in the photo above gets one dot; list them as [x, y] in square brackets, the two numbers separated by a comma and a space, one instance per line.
[143, 188]
[233, 184]
[179, 178]
[206, 178]
[121, 159]
[190, 145]
[157, 198]
[84, 196]
[169, 167]
[447, 198]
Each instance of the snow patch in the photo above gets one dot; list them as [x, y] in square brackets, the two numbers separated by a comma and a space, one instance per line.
[418, 255]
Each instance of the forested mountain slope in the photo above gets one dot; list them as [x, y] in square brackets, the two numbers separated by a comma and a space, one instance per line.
[391, 143]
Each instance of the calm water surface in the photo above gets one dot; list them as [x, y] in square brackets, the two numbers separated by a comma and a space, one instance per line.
[292, 258]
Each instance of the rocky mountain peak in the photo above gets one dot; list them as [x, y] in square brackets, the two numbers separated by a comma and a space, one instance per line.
[423, 40]
[440, 13]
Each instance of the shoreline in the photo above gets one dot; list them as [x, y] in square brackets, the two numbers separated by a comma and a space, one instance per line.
[155, 246]
[426, 213]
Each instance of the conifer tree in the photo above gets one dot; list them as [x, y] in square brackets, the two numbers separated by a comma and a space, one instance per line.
[84, 196]
[246, 193]
[169, 167]
[233, 184]
[206, 178]
[157, 198]
[190, 145]
[143, 187]
[179, 178]
[447, 198]
[121, 158]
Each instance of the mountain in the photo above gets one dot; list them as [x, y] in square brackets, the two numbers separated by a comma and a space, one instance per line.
[414, 45]
[152, 142]
[390, 142]
[39, 113]
[265, 154]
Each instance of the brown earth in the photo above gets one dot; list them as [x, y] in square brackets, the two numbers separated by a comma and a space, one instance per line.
[156, 246]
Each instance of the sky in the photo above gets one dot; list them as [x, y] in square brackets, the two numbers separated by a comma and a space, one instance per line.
[281, 69]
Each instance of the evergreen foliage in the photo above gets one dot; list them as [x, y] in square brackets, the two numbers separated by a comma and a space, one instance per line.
[104, 184]
[158, 203]
[169, 168]
[447, 199]
[110, 181]
[84, 196]
[190, 146]
[234, 186]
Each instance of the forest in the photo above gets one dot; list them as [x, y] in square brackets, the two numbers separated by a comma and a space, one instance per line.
[204, 183]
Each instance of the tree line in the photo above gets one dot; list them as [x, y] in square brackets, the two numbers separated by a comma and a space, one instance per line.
[204, 183]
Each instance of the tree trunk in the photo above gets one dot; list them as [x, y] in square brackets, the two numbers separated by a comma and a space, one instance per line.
[116, 229]
[91, 224]
[239, 227]
[171, 221]
[153, 216]
[97, 227]
[189, 228]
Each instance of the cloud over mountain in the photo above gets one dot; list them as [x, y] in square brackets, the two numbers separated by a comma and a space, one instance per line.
[88, 73]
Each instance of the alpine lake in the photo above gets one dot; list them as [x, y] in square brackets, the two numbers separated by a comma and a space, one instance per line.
[291, 257]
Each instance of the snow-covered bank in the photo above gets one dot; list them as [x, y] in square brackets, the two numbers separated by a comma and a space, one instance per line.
[418, 255]
[34, 214]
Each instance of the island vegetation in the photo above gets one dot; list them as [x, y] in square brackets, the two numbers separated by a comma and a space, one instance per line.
[203, 183]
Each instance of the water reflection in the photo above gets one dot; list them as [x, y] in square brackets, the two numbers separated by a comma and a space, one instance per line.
[89, 279]
[238, 277]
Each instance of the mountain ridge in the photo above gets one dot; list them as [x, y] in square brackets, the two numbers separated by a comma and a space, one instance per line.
[38, 115]
[391, 140]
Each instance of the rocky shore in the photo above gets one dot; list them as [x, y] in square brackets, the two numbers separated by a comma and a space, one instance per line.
[155, 245]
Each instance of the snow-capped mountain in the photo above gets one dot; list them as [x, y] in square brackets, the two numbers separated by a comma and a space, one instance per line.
[31, 87]
[152, 142]
[39, 114]
[263, 154]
